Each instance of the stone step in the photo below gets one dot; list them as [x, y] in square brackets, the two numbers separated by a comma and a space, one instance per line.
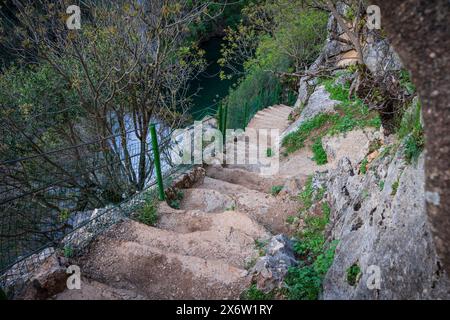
[205, 200]
[160, 274]
[271, 212]
[228, 244]
[250, 180]
[94, 290]
[189, 221]
[267, 115]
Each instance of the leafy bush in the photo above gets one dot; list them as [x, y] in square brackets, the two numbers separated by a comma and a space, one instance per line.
[353, 274]
[148, 214]
[276, 190]
[253, 293]
[363, 166]
[413, 147]
[411, 132]
[296, 39]
[395, 188]
[296, 140]
[305, 282]
[320, 156]
[352, 114]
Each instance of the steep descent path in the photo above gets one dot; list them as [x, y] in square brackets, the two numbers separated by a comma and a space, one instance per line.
[201, 250]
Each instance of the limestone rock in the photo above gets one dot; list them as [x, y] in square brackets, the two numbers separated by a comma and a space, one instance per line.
[48, 280]
[271, 269]
[385, 229]
[380, 57]
[319, 102]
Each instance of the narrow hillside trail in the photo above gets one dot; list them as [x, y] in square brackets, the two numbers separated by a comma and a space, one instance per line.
[202, 250]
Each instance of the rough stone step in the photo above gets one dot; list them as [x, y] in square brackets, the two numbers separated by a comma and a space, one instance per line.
[160, 274]
[267, 124]
[282, 111]
[271, 123]
[270, 115]
[209, 201]
[94, 290]
[182, 221]
[250, 180]
[271, 212]
[228, 244]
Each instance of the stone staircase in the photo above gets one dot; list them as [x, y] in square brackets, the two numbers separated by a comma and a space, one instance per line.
[204, 249]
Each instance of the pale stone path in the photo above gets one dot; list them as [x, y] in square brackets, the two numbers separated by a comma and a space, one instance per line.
[202, 250]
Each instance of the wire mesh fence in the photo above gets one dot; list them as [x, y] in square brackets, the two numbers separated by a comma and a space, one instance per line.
[62, 199]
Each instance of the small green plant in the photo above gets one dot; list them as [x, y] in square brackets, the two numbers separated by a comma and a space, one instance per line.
[394, 188]
[306, 196]
[290, 117]
[305, 282]
[64, 215]
[261, 246]
[175, 204]
[353, 274]
[68, 251]
[231, 208]
[148, 214]
[365, 194]
[351, 114]
[269, 152]
[320, 156]
[296, 140]
[363, 166]
[291, 219]
[414, 145]
[381, 185]
[253, 293]
[275, 190]
[406, 83]
[411, 132]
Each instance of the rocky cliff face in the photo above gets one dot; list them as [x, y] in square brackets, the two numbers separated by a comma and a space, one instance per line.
[385, 248]
[380, 222]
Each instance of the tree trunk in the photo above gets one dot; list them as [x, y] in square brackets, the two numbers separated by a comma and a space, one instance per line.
[419, 31]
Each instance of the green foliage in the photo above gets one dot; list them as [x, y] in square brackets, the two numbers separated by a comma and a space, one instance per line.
[296, 140]
[305, 282]
[176, 203]
[253, 293]
[306, 196]
[411, 132]
[395, 188]
[148, 214]
[269, 152]
[381, 185]
[68, 251]
[353, 274]
[64, 215]
[413, 147]
[352, 114]
[363, 166]
[261, 246]
[406, 83]
[295, 38]
[276, 190]
[320, 156]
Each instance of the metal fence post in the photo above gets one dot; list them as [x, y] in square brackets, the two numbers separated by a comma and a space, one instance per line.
[220, 118]
[157, 162]
[224, 128]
